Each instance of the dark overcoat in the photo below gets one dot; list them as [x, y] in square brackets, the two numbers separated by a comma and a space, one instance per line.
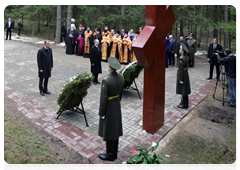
[172, 46]
[182, 75]
[96, 58]
[213, 58]
[45, 62]
[71, 42]
[110, 128]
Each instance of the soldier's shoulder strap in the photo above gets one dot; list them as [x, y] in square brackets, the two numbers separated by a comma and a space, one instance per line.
[106, 78]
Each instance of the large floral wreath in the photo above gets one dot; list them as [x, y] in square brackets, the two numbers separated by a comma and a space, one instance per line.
[74, 91]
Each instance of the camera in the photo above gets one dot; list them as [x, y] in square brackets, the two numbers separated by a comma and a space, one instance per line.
[220, 53]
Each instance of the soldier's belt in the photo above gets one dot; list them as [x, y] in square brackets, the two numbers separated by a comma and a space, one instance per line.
[184, 68]
[113, 97]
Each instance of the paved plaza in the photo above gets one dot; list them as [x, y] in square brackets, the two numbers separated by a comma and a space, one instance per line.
[21, 84]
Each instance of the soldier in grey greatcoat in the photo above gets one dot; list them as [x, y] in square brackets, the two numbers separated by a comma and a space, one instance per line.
[192, 49]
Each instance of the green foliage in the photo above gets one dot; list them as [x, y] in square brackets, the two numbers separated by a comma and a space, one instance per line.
[145, 158]
[74, 91]
[130, 74]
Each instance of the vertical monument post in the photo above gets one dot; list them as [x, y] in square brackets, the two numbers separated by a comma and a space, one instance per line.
[150, 50]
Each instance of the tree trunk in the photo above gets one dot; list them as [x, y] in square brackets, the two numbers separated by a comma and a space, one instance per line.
[181, 27]
[58, 26]
[226, 22]
[121, 24]
[33, 27]
[22, 23]
[48, 36]
[176, 30]
[207, 36]
[39, 22]
[215, 12]
[200, 35]
[191, 26]
[69, 16]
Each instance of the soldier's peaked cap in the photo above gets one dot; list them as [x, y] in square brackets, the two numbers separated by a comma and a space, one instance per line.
[114, 63]
[184, 47]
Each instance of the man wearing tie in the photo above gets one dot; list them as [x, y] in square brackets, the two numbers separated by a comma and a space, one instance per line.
[96, 59]
[9, 28]
[212, 58]
[171, 50]
[45, 65]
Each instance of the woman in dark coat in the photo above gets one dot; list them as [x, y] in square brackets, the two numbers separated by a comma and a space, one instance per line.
[95, 59]
[183, 83]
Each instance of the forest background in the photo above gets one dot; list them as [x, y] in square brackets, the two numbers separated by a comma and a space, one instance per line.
[204, 21]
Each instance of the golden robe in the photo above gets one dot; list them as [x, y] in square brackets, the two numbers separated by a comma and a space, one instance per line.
[106, 40]
[117, 42]
[126, 47]
[133, 55]
[87, 41]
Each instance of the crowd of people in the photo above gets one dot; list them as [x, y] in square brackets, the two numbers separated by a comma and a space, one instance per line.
[173, 47]
[111, 43]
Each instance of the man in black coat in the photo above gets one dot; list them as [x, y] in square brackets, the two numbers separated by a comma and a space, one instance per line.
[63, 32]
[96, 59]
[180, 42]
[9, 28]
[212, 58]
[71, 40]
[45, 65]
[19, 26]
[172, 50]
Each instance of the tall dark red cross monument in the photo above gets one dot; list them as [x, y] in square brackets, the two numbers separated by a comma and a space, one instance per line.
[149, 49]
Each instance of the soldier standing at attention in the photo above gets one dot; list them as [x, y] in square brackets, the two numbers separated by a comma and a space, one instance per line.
[192, 49]
[183, 83]
[110, 124]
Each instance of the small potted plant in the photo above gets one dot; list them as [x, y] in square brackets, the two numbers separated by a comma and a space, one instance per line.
[144, 157]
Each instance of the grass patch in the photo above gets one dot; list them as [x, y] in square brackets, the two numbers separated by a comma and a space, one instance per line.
[21, 147]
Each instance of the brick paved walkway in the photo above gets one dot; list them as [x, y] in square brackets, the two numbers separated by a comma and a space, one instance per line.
[21, 84]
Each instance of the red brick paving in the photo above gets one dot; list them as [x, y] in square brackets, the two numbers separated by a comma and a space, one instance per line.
[90, 146]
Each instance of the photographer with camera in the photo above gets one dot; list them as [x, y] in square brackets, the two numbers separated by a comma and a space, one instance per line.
[212, 58]
[229, 61]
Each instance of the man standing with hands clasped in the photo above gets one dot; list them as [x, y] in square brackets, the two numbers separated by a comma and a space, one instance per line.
[110, 125]
[96, 59]
[45, 65]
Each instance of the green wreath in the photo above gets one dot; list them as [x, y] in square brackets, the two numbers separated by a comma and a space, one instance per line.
[131, 72]
[74, 91]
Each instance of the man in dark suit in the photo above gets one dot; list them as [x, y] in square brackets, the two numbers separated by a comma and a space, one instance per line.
[110, 123]
[96, 59]
[180, 42]
[212, 58]
[45, 65]
[19, 26]
[63, 32]
[9, 28]
[172, 50]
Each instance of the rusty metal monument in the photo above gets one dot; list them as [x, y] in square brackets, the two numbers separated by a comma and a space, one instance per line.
[149, 49]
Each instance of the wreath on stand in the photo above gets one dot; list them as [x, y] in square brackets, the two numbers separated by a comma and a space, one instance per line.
[74, 91]
[130, 72]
